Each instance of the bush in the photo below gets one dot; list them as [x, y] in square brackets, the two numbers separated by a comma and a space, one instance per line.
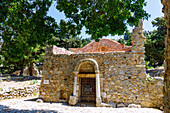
[1, 89]
[148, 66]
[8, 78]
[32, 82]
[1, 80]
[35, 93]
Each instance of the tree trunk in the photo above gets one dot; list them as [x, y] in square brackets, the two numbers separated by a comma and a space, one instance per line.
[22, 68]
[166, 92]
[31, 69]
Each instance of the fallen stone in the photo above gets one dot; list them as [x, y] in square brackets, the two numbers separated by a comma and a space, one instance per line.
[112, 104]
[161, 108]
[39, 101]
[121, 105]
[134, 106]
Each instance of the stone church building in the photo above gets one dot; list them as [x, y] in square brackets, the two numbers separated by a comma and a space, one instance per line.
[102, 72]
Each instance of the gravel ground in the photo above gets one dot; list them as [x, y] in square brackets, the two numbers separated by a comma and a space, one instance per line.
[25, 105]
[12, 84]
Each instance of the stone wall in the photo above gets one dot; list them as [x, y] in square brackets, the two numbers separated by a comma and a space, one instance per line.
[18, 92]
[122, 78]
[166, 10]
[122, 75]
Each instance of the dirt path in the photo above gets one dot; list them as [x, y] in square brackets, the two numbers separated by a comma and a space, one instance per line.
[25, 105]
[11, 84]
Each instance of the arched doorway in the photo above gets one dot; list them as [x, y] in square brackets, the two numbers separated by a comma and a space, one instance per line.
[86, 82]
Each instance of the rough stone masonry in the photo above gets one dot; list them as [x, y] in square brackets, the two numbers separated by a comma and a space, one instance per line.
[118, 71]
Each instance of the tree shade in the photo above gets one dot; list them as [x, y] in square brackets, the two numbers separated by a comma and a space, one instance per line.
[102, 17]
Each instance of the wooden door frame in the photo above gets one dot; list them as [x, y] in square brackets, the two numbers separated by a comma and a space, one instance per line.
[80, 87]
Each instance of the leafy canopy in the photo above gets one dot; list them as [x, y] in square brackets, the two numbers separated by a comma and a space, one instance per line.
[155, 45]
[102, 17]
[25, 29]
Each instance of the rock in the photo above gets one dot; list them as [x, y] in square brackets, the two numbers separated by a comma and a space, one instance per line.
[83, 105]
[134, 106]
[16, 72]
[161, 108]
[35, 72]
[26, 72]
[9, 97]
[72, 100]
[112, 104]
[121, 105]
[39, 101]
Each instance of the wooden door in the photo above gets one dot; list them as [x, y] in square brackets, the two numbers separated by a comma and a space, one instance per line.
[88, 90]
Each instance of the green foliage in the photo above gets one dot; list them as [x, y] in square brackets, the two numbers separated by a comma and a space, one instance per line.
[154, 44]
[8, 77]
[25, 29]
[67, 42]
[1, 89]
[121, 41]
[148, 66]
[129, 42]
[128, 38]
[149, 79]
[102, 17]
[85, 41]
[1, 80]
[35, 93]
[32, 82]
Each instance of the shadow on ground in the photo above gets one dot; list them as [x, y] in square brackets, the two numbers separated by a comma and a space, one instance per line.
[18, 78]
[80, 104]
[6, 109]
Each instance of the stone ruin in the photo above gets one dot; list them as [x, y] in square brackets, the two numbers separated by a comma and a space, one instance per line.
[106, 72]
[26, 72]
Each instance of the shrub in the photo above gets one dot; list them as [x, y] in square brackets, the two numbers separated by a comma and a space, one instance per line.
[35, 93]
[1, 80]
[1, 89]
[149, 79]
[33, 82]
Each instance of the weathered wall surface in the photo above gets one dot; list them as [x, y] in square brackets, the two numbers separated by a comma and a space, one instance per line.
[166, 91]
[122, 75]
[16, 92]
[122, 78]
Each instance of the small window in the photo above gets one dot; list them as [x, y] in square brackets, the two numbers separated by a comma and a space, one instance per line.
[103, 49]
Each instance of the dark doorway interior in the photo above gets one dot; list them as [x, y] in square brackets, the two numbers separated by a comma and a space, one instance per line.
[88, 90]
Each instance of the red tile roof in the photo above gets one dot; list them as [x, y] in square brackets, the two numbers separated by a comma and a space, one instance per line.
[103, 46]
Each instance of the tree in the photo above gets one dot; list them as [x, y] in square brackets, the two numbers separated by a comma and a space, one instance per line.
[128, 38]
[85, 41]
[154, 45]
[25, 29]
[121, 41]
[103, 17]
[67, 42]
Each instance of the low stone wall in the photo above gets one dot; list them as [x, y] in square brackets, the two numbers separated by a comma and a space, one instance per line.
[156, 72]
[155, 93]
[152, 95]
[16, 92]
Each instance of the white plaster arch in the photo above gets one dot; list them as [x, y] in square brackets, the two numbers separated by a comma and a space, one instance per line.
[73, 99]
[91, 61]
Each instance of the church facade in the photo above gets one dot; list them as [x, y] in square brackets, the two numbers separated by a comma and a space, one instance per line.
[102, 72]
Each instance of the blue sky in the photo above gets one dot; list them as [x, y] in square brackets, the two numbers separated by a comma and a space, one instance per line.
[154, 8]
